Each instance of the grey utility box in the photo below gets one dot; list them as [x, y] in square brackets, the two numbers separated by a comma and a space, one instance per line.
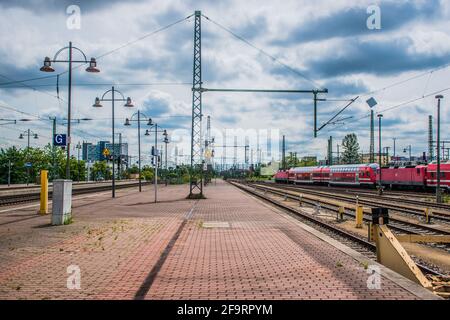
[61, 202]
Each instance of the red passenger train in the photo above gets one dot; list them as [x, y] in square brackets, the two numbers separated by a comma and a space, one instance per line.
[422, 176]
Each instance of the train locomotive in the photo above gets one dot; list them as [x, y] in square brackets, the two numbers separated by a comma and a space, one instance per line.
[414, 176]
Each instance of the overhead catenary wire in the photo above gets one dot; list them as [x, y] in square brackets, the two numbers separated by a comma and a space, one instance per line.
[116, 84]
[101, 55]
[57, 96]
[395, 106]
[273, 58]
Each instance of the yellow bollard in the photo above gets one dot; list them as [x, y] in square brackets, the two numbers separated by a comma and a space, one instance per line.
[359, 216]
[341, 213]
[44, 192]
[428, 213]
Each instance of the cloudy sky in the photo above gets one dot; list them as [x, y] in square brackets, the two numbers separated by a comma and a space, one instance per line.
[313, 44]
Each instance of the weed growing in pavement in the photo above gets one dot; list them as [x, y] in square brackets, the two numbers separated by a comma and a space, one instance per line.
[68, 220]
[364, 264]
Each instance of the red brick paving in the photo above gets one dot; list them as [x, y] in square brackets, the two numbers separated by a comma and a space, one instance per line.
[263, 254]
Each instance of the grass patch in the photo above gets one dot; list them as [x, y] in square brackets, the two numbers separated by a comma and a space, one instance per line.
[365, 265]
[68, 220]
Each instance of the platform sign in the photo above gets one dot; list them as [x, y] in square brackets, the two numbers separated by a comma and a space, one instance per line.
[372, 102]
[28, 164]
[60, 140]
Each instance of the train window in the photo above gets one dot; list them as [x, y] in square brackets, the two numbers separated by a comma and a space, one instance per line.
[442, 174]
[418, 171]
[432, 174]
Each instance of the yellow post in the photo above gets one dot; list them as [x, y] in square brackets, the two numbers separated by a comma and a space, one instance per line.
[341, 213]
[428, 213]
[359, 216]
[44, 192]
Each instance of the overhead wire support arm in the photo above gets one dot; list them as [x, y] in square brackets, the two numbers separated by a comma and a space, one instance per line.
[315, 92]
[340, 111]
[259, 90]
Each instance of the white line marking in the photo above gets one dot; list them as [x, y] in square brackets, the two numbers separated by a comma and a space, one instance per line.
[38, 204]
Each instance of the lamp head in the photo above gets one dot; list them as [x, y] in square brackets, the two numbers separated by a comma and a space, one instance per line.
[127, 122]
[147, 133]
[92, 66]
[21, 136]
[35, 136]
[97, 103]
[47, 67]
[129, 103]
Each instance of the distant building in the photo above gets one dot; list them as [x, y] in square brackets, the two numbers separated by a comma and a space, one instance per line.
[94, 153]
[385, 159]
[89, 152]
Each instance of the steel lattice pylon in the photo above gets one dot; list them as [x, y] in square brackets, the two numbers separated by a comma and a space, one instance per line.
[196, 183]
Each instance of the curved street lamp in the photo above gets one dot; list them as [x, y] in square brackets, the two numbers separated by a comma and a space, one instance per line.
[128, 104]
[47, 67]
[138, 120]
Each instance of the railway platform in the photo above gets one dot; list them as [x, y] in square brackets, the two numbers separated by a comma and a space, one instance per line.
[228, 246]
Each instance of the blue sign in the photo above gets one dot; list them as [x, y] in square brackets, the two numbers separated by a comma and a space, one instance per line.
[372, 102]
[28, 164]
[59, 140]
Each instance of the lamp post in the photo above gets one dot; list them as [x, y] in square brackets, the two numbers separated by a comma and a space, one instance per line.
[128, 104]
[47, 67]
[9, 173]
[28, 133]
[380, 188]
[386, 152]
[408, 148]
[78, 146]
[138, 120]
[438, 157]
[394, 139]
[155, 155]
[166, 141]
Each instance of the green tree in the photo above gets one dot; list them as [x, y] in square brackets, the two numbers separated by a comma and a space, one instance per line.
[147, 173]
[351, 149]
[101, 170]
[17, 159]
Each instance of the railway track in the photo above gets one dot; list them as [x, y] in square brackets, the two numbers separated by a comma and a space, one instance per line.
[352, 240]
[414, 207]
[387, 195]
[11, 199]
[401, 226]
